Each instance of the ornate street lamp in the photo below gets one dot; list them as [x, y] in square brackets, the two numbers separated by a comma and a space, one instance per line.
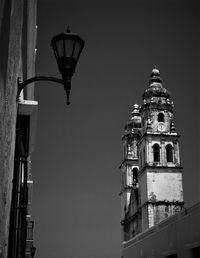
[67, 48]
[32, 251]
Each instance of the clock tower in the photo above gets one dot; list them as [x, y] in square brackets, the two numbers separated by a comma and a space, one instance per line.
[160, 171]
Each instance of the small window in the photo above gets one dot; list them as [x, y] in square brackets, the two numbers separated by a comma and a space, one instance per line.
[196, 252]
[144, 155]
[137, 125]
[169, 153]
[172, 256]
[143, 121]
[141, 159]
[156, 152]
[129, 149]
[161, 117]
[135, 176]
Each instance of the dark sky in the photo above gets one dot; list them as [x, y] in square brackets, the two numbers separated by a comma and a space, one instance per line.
[76, 206]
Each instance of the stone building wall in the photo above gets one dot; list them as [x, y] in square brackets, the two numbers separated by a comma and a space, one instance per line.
[11, 21]
[14, 63]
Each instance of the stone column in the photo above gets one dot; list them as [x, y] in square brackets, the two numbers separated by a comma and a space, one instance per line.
[149, 152]
[176, 152]
[163, 153]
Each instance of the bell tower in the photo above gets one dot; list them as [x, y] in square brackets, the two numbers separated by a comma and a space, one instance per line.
[129, 166]
[160, 171]
[151, 172]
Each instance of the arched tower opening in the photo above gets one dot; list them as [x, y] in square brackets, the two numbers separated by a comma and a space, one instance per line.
[169, 153]
[161, 117]
[156, 152]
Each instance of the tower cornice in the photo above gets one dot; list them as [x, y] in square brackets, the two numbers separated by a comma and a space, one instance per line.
[157, 106]
[161, 169]
[135, 134]
[175, 136]
[129, 162]
[125, 189]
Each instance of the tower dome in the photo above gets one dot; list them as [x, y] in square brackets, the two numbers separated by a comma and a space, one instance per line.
[135, 111]
[135, 121]
[155, 88]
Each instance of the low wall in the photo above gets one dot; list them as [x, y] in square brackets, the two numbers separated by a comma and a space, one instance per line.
[177, 234]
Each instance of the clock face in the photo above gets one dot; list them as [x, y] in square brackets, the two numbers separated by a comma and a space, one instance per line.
[161, 127]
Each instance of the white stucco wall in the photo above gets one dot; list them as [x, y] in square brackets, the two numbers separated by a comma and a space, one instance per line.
[165, 186]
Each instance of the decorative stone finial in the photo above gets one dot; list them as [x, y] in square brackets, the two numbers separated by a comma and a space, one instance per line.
[155, 70]
[136, 106]
[136, 110]
[173, 128]
[155, 76]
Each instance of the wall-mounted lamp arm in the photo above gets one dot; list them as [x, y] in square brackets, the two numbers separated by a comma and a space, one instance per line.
[65, 83]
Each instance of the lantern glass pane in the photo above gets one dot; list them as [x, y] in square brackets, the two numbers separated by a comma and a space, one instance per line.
[77, 50]
[60, 48]
[69, 45]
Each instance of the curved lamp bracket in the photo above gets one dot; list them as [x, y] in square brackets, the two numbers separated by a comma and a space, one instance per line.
[66, 83]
